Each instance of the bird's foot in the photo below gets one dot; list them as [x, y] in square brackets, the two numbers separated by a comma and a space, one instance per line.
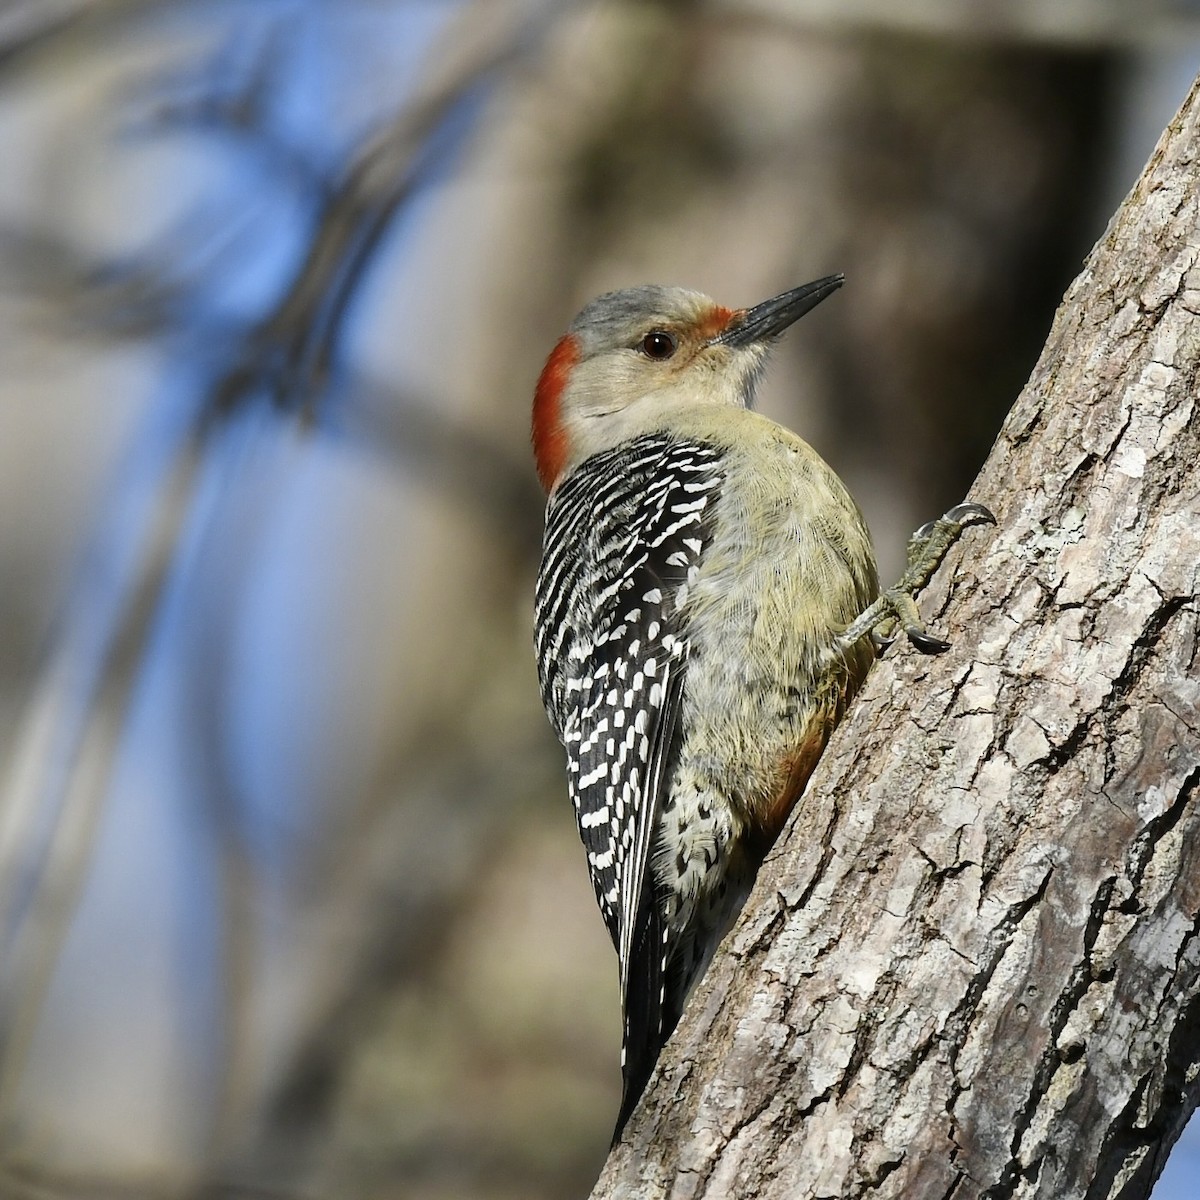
[895, 610]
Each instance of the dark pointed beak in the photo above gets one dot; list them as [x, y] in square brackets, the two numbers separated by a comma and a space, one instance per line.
[772, 317]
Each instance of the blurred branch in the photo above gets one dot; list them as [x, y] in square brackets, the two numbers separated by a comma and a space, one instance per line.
[287, 356]
[60, 771]
[298, 341]
[229, 95]
[289, 353]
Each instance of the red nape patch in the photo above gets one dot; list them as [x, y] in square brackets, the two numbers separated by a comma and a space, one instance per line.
[715, 320]
[549, 436]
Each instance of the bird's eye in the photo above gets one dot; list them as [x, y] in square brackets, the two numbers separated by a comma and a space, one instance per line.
[658, 344]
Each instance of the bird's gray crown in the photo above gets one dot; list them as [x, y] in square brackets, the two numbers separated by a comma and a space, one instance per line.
[619, 318]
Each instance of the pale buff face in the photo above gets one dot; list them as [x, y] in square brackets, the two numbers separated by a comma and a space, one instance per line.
[648, 350]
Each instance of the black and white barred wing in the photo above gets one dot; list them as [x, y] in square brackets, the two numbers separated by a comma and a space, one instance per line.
[624, 538]
[624, 541]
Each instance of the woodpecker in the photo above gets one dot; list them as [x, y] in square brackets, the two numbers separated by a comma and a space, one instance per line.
[705, 609]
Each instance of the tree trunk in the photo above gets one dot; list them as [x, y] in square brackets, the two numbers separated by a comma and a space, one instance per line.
[971, 967]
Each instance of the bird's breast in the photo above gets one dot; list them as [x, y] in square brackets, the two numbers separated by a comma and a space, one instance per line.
[789, 566]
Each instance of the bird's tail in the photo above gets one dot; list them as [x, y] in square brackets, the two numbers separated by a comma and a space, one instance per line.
[666, 964]
[649, 1014]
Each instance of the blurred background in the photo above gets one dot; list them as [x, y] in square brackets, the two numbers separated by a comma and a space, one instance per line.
[291, 899]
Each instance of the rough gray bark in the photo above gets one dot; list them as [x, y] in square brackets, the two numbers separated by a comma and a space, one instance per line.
[971, 966]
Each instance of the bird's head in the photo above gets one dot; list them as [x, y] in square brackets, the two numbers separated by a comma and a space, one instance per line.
[632, 357]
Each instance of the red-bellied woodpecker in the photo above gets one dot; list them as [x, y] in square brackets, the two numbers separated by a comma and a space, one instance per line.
[705, 609]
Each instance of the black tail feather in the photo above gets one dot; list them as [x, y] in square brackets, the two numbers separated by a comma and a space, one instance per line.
[650, 1009]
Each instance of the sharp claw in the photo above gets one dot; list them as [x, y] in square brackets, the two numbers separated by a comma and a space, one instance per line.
[969, 514]
[926, 642]
[959, 517]
[895, 608]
